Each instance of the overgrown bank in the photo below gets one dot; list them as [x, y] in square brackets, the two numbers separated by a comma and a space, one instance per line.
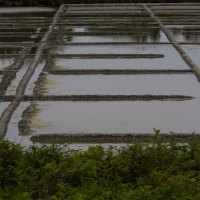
[151, 171]
[59, 2]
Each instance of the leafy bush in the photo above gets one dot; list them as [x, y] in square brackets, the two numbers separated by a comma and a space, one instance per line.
[150, 170]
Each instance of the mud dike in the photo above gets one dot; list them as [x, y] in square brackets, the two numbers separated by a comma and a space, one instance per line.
[100, 73]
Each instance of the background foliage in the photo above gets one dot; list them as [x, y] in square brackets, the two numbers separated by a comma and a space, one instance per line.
[58, 2]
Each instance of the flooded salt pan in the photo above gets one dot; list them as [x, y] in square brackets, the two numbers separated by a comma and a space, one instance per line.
[31, 84]
[13, 132]
[155, 34]
[113, 38]
[4, 63]
[26, 9]
[168, 62]
[104, 11]
[154, 31]
[10, 50]
[10, 30]
[119, 49]
[103, 7]
[117, 117]
[177, 30]
[12, 88]
[193, 51]
[183, 84]
[33, 38]
[27, 14]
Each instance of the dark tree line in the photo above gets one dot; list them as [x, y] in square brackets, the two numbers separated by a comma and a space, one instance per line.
[58, 2]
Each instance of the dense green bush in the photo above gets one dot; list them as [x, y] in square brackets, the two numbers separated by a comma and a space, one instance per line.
[151, 171]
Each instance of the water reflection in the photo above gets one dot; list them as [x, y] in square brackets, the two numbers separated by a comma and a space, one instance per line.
[156, 35]
[119, 49]
[20, 39]
[193, 51]
[28, 14]
[3, 30]
[177, 30]
[6, 62]
[10, 50]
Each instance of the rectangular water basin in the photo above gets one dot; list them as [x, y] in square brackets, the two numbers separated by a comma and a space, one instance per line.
[104, 11]
[117, 117]
[110, 38]
[167, 62]
[12, 88]
[33, 38]
[103, 7]
[193, 51]
[181, 84]
[4, 12]
[176, 31]
[10, 50]
[5, 63]
[11, 30]
[117, 49]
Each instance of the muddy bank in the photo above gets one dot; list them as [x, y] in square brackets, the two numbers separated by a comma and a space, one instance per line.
[111, 56]
[105, 43]
[39, 84]
[112, 72]
[147, 97]
[104, 33]
[109, 138]
[24, 123]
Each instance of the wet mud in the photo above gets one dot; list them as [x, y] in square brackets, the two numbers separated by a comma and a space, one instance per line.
[110, 138]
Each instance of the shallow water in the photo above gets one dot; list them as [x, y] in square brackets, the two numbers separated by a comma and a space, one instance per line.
[181, 84]
[117, 117]
[114, 38]
[116, 49]
[12, 132]
[31, 84]
[175, 7]
[25, 9]
[103, 7]
[12, 88]
[10, 50]
[168, 62]
[26, 14]
[108, 20]
[33, 38]
[27, 22]
[177, 30]
[177, 11]
[103, 11]
[193, 51]
[4, 63]
[154, 31]
[10, 30]
[156, 35]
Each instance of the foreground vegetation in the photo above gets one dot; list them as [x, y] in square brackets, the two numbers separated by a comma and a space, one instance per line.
[151, 171]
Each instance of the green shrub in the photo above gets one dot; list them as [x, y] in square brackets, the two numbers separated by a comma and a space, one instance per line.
[151, 170]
